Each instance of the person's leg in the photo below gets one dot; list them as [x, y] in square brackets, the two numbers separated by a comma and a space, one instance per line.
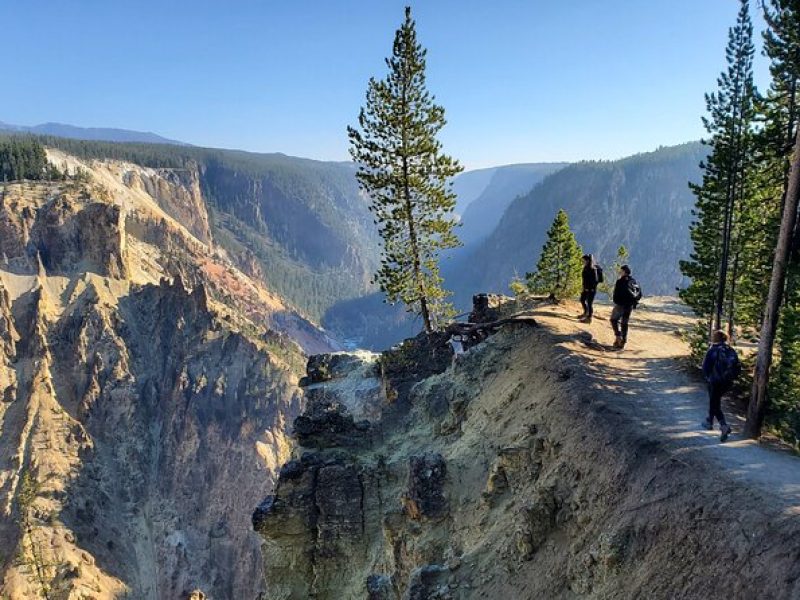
[616, 313]
[709, 422]
[590, 302]
[584, 296]
[724, 428]
[626, 316]
[715, 409]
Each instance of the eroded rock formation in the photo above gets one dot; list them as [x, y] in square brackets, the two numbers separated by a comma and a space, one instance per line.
[146, 385]
[498, 475]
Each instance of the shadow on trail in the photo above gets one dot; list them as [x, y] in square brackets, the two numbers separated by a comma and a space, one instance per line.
[667, 404]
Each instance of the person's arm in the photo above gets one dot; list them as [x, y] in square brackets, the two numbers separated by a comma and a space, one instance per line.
[708, 363]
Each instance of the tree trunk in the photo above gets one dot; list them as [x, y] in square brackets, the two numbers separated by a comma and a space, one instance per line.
[412, 237]
[730, 194]
[412, 233]
[759, 400]
[723, 265]
[732, 299]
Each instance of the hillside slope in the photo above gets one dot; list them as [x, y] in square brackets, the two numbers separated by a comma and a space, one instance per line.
[299, 225]
[469, 185]
[484, 212]
[642, 202]
[145, 386]
[106, 134]
[538, 465]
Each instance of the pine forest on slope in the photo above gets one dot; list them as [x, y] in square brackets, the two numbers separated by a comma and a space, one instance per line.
[300, 222]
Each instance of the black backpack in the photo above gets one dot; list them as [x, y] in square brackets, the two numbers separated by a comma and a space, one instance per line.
[726, 366]
[599, 272]
[634, 290]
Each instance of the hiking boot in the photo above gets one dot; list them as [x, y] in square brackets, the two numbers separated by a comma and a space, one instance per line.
[726, 432]
[708, 424]
[587, 319]
[618, 343]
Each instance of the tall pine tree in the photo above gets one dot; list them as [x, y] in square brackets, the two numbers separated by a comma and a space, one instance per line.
[777, 116]
[778, 396]
[402, 168]
[558, 272]
[759, 400]
[716, 264]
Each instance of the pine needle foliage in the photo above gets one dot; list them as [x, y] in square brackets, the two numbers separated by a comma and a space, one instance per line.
[408, 178]
[558, 272]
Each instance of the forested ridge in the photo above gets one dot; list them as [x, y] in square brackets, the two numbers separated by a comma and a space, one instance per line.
[304, 220]
[642, 202]
[24, 158]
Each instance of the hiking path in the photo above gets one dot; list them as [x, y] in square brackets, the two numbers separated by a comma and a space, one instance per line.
[652, 383]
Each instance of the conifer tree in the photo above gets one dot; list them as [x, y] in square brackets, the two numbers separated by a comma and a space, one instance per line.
[782, 45]
[715, 266]
[759, 399]
[558, 272]
[402, 168]
[777, 116]
[623, 257]
[778, 395]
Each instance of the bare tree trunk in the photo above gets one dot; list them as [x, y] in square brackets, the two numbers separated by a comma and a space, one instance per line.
[732, 299]
[412, 234]
[417, 264]
[723, 264]
[759, 400]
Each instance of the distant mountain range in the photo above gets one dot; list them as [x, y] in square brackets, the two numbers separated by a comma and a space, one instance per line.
[482, 214]
[643, 202]
[104, 134]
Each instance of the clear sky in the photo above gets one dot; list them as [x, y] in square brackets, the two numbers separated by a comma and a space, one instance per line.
[521, 81]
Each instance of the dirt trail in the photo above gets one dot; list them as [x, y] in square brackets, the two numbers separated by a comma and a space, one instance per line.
[649, 383]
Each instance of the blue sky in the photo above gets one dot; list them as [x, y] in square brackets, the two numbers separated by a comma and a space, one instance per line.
[521, 81]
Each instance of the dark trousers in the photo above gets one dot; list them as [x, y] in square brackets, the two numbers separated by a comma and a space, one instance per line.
[715, 393]
[620, 316]
[587, 301]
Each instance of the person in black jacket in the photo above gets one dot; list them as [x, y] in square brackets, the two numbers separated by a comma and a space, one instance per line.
[626, 296]
[721, 367]
[589, 277]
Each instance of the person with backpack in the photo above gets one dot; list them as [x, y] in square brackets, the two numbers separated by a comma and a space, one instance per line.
[721, 367]
[591, 275]
[626, 296]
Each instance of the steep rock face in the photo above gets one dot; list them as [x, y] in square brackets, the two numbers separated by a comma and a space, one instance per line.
[177, 192]
[145, 388]
[66, 230]
[156, 419]
[16, 219]
[499, 477]
[8, 348]
[163, 223]
[68, 237]
[305, 222]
